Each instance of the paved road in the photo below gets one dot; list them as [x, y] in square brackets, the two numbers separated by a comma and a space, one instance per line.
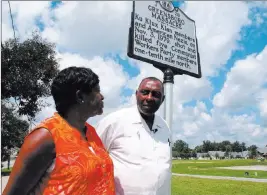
[5, 178]
[4, 163]
[223, 177]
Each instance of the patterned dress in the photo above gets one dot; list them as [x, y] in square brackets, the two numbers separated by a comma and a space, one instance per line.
[81, 167]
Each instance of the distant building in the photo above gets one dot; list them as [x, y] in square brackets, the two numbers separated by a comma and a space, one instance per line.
[216, 154]
[202, 156]
[221, 155]
[244, 154]
[262, 152]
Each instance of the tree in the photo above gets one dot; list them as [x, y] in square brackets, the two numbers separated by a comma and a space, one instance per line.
[243, 146]
[199, 149]
[182, 148]
[228, 149]
[224, 144]
[237, 147]
[28, 68]
[180, 145]
[186, 152]
[253, 151]
[13, 131]
[27, 71]
[193, 154]
[226, 154]
[207, 146]
[175, 154]
[216, 146]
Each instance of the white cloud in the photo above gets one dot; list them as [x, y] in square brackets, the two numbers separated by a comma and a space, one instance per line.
[262, 102]
[91, 28]
[47, 111]
[190, 128]
[23, 17]
[259, 19]
[145, 71]
[112, 77]
[244, 82]
[84, 31]
[6, 22]
[194, 124]
[7, 32]
[257, 4]
[109, 22]
[263, 107]
[187, 88]
[51, 34]
[218, 25]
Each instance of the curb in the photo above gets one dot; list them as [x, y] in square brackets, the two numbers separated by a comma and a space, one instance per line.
[223, 177]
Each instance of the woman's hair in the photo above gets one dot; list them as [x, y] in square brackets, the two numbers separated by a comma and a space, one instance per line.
[66, 84]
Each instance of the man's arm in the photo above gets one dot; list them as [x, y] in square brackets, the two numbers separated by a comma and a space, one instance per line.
[35, 156]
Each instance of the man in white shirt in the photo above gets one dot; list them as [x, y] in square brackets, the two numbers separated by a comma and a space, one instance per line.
[139, 143]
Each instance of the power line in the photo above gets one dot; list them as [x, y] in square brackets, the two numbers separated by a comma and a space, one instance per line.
[10, 12]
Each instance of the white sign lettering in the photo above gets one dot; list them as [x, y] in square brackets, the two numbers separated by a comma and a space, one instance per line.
[165, 34]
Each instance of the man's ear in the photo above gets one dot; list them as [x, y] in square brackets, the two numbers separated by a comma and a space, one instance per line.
[79, 97]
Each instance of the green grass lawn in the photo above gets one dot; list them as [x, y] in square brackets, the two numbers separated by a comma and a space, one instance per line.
[199, 186]
[6, 169]
[208, 167]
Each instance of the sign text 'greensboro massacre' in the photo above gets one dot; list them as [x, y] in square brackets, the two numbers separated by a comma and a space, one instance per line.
[164, 34]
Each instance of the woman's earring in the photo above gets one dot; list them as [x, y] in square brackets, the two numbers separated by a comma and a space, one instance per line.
[82, 101]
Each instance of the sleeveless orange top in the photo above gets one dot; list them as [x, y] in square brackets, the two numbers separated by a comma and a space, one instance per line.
[81, 167]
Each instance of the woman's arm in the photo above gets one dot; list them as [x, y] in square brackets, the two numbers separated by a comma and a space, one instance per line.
[35, 156]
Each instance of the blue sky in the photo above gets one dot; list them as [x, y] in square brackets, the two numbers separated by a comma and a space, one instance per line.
[254, 40]
[95, 34]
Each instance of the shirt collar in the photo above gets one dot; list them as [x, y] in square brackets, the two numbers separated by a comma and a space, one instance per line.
[137, 118]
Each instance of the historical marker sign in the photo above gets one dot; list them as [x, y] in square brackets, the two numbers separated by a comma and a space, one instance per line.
[164, 36]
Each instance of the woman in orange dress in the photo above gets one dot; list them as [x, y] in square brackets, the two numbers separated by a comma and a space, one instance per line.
[63, 155]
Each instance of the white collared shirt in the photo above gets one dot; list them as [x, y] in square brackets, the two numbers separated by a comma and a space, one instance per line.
[142, 159]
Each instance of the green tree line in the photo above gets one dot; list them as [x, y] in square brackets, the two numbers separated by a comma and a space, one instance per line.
[181, 148]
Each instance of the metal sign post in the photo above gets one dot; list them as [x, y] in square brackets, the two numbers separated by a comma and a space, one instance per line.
[168, 81]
